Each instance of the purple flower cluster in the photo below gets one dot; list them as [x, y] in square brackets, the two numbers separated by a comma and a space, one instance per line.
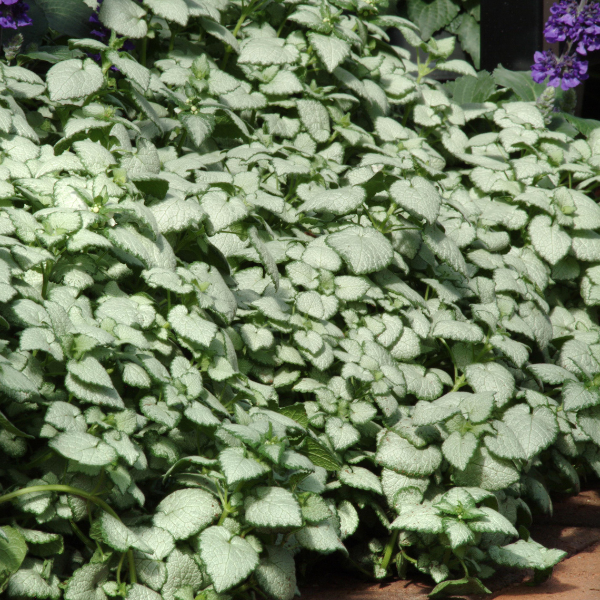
[566, 71]
[13, 14]
[577, 24]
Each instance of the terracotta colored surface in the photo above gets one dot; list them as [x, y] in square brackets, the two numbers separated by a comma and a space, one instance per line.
[582, 510]
[574, 528]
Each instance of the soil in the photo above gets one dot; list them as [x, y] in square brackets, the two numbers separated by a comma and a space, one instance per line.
[574, 528]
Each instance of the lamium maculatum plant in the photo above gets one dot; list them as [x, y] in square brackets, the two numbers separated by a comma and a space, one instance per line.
[268, 291]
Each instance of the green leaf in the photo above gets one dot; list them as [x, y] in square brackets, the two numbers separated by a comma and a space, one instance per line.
[237, 467]
[520, 82]
[584, 126]
[67, 16]
[33, 581]
[141, 592]
[170, 10]
[535, 431]
[273, 507]
[549, 240]
[419, 197]
[89, 370]
[364, 249]
[330, 49]
[124, 17]
[401, 456]
[116, 535]
[186, 512]
[319, 455]
[13, 550]
[199, 127]
[264, 255]
[492, 522]
[466, 585]
[589, 421]
[228, 559]
[487, 472]
[445, 248]
[526, 555]
[267, 51]
[577, 396]
[315, 118]
[492, 377]
[337, 201]
[361, 478]
[458, 449]
[192, 326]
[469, 37]
[431, 16]
[350, 288]
[472, 90]
[83, 448]
[8, 426]
[342, 435]
[297, 412]
[276, 573]
[421, 518]
[221, 33]
[321, 538]
[458, 331]
[86, 583]
[74, 79]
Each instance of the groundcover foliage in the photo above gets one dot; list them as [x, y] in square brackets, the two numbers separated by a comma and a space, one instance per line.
[268, 291]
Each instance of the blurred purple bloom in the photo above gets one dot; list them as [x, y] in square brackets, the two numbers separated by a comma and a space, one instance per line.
[13, 14]
[562, 23]
[566, 72]
[589, 26]
[569, 23]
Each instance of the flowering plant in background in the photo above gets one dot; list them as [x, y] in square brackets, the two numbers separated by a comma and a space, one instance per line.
[13, 14]
[578, 25]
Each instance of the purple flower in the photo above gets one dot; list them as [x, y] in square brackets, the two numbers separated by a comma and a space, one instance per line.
[566, 71]
[13, 14]
[589, 29]
[569, 22]
[562, 24]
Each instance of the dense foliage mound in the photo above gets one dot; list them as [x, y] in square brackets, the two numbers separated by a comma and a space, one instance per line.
[267, 289]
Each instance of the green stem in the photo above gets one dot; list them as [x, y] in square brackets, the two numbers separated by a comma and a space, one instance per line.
[224, 515]
[67, 489]
[236, 30]
[458, 384]
[120, 565]
[389, 549]
[46, 276]
[82, 536]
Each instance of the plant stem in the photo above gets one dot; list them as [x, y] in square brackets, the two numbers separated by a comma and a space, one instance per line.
[120, 565]
[389, 549]
[236, 30]
[82, 536]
